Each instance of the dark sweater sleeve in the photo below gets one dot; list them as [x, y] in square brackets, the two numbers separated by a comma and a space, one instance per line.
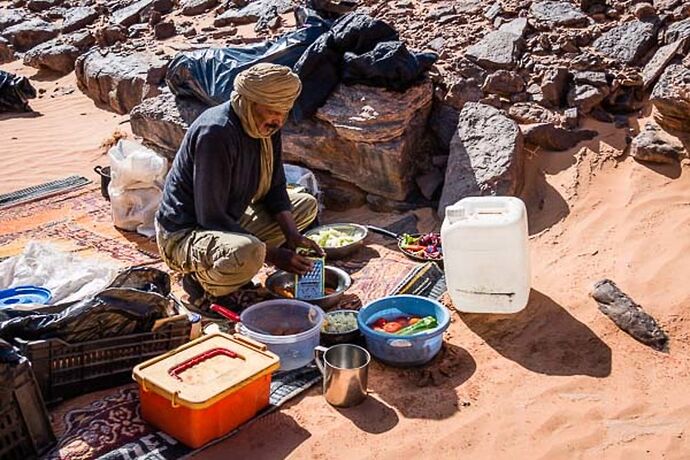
[276, 199]
[215, 153]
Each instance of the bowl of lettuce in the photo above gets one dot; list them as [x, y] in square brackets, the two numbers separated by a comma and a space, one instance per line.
[338, 240]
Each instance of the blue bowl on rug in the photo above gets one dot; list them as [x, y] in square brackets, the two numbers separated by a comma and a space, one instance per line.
[24, 295]
[413, 350]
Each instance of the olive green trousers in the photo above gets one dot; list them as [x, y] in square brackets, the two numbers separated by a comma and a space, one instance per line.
[223, 262]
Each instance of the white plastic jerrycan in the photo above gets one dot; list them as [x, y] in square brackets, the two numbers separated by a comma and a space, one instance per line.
[486, 254]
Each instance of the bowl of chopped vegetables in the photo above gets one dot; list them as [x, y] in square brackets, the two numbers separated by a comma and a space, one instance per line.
[338, 240]
[404, 330]
[340, 326]
[281, 284]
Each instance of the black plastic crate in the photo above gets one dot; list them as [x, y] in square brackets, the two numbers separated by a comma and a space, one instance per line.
[64, 370]
[25, 431]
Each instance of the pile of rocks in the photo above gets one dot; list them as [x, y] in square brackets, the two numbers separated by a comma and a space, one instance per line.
[511, 73]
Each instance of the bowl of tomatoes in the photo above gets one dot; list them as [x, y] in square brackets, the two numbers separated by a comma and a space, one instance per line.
[404, 330]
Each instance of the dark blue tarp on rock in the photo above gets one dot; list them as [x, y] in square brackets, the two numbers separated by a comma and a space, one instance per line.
[15, 91]
[356, 49]
[208, 74]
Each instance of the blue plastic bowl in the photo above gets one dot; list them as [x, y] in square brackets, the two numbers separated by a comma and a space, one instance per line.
[401, 351]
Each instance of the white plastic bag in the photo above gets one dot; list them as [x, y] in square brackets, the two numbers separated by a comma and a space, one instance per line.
[136, 185]
[68, 276]
[297, 175]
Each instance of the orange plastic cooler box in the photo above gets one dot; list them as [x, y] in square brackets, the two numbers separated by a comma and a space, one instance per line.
[206, 388]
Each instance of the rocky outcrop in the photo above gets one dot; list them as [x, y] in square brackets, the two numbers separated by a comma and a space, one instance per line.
[586, 97]
[53, 55]
[58, 55]
[529, 112]
[671, 98]
[627, 43]
[11, 17]
[131, 14]
[497, 50]
[78, 18]
[364, 135]
[195, 7]
[26, 35]
[655, 67]
[253, 12]
[486, 156]
[119, 81]
[339, 195]
[42, 5]
[162, 121]
[553, 86]
[163, 30]
[558, 14]
[677, 31]
[550, 137]
[656, 146]
[504, 82]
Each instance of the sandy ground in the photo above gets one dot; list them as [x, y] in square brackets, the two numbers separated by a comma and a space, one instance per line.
[558, 380]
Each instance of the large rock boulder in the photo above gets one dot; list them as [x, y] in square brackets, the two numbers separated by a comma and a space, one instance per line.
[586, 97]
[162, 121]
[59, 54]
[131, 14]
[119, 81]
[364, 135]
[671, 98]
[486, 156]
[628, 43]
[78, 18]
[550, 137]
[655, 67]
[26, 35]
[42, 5]
[11, 17]
[656, 146]
[53, 55]
[194, 7]
[504, 82]
[497, 50]
[530, 112]
[253, 12]
[554, 85]
[555, 14]
[677, 31]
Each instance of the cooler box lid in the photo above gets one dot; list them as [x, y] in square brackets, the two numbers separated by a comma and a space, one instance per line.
[206, 370]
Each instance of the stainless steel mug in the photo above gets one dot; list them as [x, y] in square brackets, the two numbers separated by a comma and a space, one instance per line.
[345, 370]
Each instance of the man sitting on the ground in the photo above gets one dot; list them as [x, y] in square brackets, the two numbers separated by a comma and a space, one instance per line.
[225, 207]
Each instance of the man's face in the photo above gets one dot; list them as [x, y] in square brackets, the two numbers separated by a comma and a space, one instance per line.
[268, 120]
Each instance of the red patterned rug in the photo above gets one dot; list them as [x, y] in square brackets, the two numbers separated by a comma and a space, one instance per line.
[107, 424]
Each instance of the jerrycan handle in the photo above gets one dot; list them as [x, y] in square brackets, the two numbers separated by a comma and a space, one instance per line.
[455, 214]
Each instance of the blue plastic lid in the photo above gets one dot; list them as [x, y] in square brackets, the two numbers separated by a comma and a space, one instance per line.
[22, 295]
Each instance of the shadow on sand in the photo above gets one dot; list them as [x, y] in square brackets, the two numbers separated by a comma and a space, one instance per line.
[371, 416]
[274, 436]
[544, 338]
[426, 392]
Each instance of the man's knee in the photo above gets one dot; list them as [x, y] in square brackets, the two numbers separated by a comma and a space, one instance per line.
[305, 208]
[246, 256]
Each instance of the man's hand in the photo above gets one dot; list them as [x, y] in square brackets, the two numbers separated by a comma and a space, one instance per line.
[289, 260]
[296, 240]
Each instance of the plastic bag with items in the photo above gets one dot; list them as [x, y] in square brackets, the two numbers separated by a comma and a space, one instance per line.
[131, 304]
[69, 277]
[136, 185]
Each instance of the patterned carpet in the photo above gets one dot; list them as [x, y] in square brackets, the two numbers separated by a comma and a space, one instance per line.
[107, 424]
